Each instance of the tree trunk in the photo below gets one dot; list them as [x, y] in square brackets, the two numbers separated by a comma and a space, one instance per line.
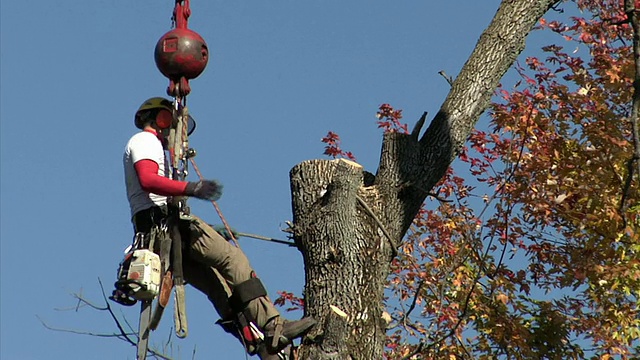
[346, 259]
[348, 223]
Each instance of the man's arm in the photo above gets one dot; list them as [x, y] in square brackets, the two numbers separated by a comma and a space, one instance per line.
[151, 182]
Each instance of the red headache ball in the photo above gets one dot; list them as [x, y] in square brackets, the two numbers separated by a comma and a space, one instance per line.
[181, 53]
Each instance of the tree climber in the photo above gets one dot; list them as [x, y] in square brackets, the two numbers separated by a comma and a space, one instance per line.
[210, 263]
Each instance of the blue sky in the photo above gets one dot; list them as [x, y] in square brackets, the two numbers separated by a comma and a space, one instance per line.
[281, 75]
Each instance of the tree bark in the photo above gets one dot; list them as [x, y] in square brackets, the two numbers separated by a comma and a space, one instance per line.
[346, 259]
[348, 223]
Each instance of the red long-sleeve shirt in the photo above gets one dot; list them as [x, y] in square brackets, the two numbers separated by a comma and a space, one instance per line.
[150, 181]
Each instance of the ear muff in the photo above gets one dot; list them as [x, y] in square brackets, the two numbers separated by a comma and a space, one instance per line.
[149, 108]
[164, 119]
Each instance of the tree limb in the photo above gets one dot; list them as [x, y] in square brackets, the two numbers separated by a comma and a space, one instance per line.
[122, 334]
[634, 17]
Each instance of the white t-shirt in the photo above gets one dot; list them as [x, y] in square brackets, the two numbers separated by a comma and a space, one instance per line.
[141, 146]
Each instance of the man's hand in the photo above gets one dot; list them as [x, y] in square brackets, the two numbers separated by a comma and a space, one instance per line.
[204, 189]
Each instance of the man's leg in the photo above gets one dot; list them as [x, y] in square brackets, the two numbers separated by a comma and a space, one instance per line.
[207, 247]
[208, 281]
[248, 296]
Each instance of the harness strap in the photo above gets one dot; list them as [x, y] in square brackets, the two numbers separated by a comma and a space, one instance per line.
[144, 220]
[245, 292]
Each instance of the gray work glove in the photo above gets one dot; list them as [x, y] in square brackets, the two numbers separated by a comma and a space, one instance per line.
[204, 189]
[222, 230]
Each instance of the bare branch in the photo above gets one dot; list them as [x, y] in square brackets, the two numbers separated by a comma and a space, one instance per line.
[113, 316]
[82, 332]
[127, 336]
[446, 77]
[418, 126]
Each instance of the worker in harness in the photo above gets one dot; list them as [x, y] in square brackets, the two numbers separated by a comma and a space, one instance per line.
[210, 263]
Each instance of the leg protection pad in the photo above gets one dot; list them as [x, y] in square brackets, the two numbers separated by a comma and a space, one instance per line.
[244, 325]
[246, 291]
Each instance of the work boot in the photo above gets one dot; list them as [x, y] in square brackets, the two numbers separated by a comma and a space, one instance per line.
[263, 353]
[278, 333]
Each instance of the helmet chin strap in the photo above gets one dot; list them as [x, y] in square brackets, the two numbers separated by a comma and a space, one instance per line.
[153, 129]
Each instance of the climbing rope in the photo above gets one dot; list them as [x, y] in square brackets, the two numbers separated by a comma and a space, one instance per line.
[215, 205]
[228, 228]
